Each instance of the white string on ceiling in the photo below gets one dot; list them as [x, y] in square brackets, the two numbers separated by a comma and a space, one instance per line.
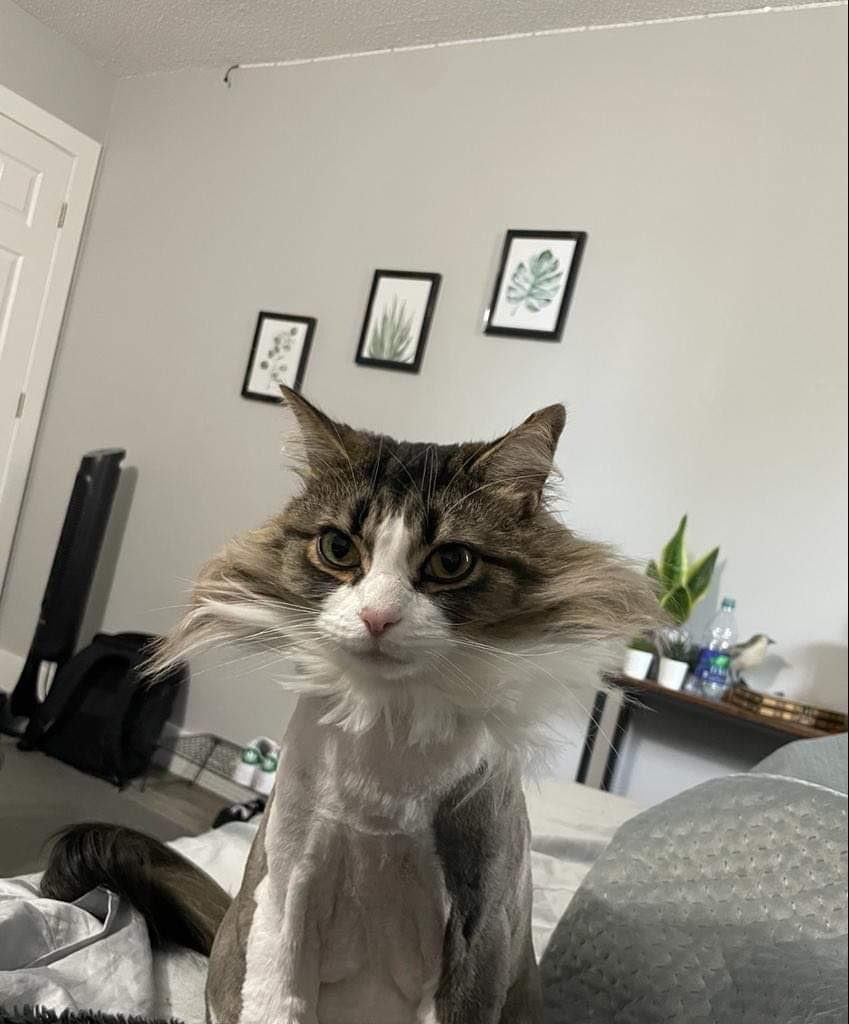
[296, 62]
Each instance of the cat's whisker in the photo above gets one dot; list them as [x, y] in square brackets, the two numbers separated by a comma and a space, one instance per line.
[553, 649]
[298, 677]
[185, 606]
[562, 685]
[475, 688]
[221, 665]
[376, 469]
[208, 642]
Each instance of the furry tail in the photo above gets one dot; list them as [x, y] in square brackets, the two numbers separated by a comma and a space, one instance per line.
[179, 902]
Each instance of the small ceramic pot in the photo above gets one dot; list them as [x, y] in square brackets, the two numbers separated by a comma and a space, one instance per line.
[637, 663]
[671, 674]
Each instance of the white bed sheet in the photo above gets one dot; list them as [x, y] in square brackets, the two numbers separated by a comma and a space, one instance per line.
[570, 826]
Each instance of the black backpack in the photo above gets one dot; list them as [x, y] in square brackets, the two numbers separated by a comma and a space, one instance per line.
[100, 715]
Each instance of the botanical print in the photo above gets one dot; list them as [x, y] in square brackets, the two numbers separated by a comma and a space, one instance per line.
[279, 355]
[536, 283]
[391, 336]
[397, 319]
[282, 352]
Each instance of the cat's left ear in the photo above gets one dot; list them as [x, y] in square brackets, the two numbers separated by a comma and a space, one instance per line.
[519, 463]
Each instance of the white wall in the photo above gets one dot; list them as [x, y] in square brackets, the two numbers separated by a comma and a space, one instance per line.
[47, 70]
[704, 362]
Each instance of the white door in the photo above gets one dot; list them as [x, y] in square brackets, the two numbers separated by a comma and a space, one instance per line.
[40, 177]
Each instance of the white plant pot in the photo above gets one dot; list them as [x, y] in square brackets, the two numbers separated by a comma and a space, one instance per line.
[671, 674]
[637, 663]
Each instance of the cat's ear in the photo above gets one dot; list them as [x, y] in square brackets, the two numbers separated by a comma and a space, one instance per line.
[317, 441]
[519, 463]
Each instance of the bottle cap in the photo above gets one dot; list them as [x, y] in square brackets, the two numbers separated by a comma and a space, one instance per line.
[729, 603]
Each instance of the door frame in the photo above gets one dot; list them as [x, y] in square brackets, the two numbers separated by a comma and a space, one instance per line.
[85, 154]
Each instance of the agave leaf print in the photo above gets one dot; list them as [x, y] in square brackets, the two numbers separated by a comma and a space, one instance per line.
[391, 337]
[535, 284]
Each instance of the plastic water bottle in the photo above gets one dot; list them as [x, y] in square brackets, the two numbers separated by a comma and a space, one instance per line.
[714, 666]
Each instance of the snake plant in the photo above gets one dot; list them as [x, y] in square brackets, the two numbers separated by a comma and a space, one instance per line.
[681, 584]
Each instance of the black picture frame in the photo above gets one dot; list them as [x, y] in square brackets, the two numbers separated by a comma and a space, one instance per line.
[263, 317]
[390, 364]
[556, 333]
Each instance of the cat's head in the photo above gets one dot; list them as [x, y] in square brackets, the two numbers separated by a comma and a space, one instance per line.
[424, 582]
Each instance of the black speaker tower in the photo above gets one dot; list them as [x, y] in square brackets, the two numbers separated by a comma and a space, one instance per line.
[72, 572]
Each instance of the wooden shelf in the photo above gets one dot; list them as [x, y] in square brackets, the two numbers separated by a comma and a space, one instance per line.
[653, 695]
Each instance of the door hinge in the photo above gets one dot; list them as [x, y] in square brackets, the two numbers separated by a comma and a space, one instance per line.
[22, 398]
[62, 213]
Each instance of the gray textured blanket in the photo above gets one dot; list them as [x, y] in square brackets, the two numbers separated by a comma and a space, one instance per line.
[726, 904]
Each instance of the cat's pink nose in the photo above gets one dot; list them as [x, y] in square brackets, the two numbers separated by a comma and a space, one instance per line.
[377, 622]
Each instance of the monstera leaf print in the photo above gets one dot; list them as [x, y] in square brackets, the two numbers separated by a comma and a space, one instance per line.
[535, 284]
[391, 337]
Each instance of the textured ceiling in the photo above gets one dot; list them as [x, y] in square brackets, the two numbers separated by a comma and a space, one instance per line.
[131, 37]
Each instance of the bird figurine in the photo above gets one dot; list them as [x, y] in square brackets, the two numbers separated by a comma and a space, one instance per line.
[749, 654]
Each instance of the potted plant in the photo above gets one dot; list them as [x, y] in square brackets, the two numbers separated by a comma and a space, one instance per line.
[675, 661]
[681, 586]
[639, 656]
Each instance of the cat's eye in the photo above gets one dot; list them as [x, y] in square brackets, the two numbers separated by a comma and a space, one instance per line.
[448, 564]
[338, 550]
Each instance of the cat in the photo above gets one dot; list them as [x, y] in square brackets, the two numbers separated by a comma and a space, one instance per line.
[441, 614]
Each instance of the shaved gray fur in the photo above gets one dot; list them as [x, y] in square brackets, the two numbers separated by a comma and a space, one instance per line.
[489, 973]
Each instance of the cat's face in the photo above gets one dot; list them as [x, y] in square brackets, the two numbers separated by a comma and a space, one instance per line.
[403, 571]
[406, 552]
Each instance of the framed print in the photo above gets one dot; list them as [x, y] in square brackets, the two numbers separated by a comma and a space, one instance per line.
[397, 321]
[535, 282]
[279, 355]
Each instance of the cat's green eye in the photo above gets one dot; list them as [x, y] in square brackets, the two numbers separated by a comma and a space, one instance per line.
[448, 564]
[338, 550]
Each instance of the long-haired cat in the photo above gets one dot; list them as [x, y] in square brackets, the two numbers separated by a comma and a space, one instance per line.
[440, 614]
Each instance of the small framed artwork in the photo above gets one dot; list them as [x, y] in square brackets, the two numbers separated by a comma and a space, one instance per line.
[279, 355]
[397, 321]
[535, 282]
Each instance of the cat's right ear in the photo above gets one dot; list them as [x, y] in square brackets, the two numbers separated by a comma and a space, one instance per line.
[317, 441]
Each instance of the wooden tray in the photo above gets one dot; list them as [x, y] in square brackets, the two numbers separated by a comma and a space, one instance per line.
[767, 706]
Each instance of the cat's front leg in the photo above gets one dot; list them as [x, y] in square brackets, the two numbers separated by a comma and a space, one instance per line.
[264, 964]
[524, 997]
[475, 971]
[283, 953]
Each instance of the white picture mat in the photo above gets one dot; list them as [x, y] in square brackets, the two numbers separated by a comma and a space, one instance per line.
[413, 293]
[293, 334]
[521, 250]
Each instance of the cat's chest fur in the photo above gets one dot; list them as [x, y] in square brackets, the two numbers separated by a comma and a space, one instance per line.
[384, 922]
[351, 897]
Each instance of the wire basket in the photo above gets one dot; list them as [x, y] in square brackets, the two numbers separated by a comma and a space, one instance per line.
[209, 752]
